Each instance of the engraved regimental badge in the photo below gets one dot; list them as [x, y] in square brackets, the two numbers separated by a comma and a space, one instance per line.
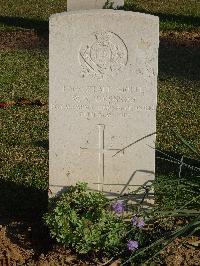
[103, 54]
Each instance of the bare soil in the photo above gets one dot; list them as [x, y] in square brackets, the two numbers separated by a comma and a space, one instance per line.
[183, 39]
[183, 251]
[30, 39]
[22, 244]
[24, 39]
[11, 253]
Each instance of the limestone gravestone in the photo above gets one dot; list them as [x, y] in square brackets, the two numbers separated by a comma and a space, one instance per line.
[103, 94]
[73, 5]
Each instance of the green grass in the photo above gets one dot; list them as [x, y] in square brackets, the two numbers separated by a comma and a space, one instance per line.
[24, 74]
[17, 14]
[178, 109]
[32, 8]
[34, 14]
[23, 158]
[181, 15]
[178, 97]
[24, 130]
[173, 7]
[174, 193]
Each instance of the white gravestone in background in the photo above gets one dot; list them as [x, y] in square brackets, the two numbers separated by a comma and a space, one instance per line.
[91, 4]
[103, 95]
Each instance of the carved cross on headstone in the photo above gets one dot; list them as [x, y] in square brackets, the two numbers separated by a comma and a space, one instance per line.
[117, 100]
[101, 150]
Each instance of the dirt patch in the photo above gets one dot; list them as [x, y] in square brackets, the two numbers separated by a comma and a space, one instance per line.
[183, 252]
[30, 39]
[10, 253]
[22, 244]
[183, 39]
[60, 256]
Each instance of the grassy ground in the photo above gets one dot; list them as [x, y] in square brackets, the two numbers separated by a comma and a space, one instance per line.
[173, 7]
[26, 14]
[32, 8]
[24, 74]
[24, 130]
[174, 15]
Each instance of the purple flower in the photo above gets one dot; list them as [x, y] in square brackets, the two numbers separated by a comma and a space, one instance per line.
[132, 245]
[139, 222]
[118, 206]
[134, 220]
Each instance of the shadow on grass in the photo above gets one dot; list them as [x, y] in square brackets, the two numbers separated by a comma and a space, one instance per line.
[40, 26]
[177, 58]
[18, 200]
[22, 202]
[173, 164]
[43, 144]
[193, 21]
[21, 211]
[178, 61]
[179, 19]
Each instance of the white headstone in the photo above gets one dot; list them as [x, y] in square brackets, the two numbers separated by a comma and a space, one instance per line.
[103, 96]
[73, 5]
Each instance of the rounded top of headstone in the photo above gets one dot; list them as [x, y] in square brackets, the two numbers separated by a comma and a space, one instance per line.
[102, 12]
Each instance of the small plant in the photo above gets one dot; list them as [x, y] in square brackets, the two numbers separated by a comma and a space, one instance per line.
[108, 5]
[89, 222]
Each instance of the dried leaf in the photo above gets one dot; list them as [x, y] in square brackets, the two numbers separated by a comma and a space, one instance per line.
[4, 105]
[21, 102]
